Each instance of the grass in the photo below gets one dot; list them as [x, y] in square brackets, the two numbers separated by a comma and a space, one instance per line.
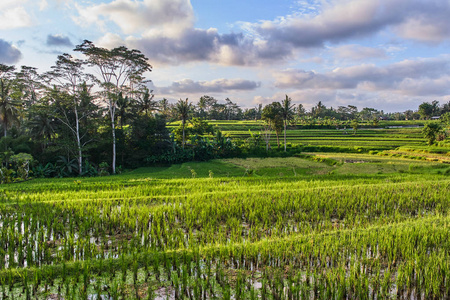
[349, 163]
[218, 168]
[334, 225]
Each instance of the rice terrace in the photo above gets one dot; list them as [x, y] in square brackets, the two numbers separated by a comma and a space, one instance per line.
[359, 223]
[204, 149]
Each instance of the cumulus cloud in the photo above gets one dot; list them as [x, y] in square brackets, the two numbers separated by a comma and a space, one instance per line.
[189, 86]
[428, 21]
[346, 19]
[193, 45]
[166, 33]
[357, 52]
[164, 29]
[422, 77]
[339, 20]
[13, 15]
[58, 40]
[196, 45]
[137, 16]
[8, 53]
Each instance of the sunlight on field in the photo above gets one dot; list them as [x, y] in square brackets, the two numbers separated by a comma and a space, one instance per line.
[221, 226]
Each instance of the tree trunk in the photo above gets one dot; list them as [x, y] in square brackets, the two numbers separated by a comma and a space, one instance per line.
[80, 155]
[113, 129]
[285, 136]
[182, 122]
[278, 139]
[80, 160]
[5, 123]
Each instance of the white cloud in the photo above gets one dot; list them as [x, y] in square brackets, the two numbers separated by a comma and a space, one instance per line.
[43, 5]
[188, 86]
[357, 52]
[4, 4]
[421, 77]
[164, 30]
[341, 20]
[110, 40]
[148, 16]
[14, 17]
[425, 29]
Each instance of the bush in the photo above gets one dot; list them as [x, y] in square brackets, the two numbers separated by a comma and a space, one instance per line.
[431, 131]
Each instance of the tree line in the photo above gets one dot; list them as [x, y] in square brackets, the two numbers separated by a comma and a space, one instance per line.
[94, 114]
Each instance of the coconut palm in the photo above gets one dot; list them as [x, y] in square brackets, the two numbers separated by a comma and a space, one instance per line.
[272, 115]
[146, 103]
[287, 111]
[41, 124]
[164, 106]
[183, 108]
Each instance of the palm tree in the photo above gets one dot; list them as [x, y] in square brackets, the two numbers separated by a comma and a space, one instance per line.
[123, 106]
[183, 108]
[146, 103]
[164, 106]
[287, 111]
[9, 107]
[272, 115]
[41, 125]
[202, 106]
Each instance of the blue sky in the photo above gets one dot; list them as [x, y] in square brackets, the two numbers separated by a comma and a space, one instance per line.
[386, 54]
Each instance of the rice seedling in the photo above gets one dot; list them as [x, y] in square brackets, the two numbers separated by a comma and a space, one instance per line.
[241, 237]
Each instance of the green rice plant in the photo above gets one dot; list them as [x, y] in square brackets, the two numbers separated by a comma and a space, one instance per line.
[338, 235]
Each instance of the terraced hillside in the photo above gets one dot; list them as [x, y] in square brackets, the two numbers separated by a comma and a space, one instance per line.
[311, 227]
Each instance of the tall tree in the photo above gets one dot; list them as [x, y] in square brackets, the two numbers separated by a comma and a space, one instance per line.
[445, 108]
[232, 109]
[258, 112]
[426, 110]
[202, 106]
[164, 106]
[31, 85]
[120, 70]
[318, 111]
[183, 108]
[124, 105]
[300, 111]
[272, 114]
[207, 107]
[10, 104]
[367, 113]
[146, 104]
[287, 113]
[40, 123]
[67, 83]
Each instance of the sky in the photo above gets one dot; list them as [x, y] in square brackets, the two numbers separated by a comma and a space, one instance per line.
[389, 55]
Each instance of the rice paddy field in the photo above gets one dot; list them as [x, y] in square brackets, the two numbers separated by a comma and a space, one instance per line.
[389, 134]
[314, 226]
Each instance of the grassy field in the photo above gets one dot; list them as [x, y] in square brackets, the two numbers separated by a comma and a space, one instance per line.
[389, 135]
[315, 226]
